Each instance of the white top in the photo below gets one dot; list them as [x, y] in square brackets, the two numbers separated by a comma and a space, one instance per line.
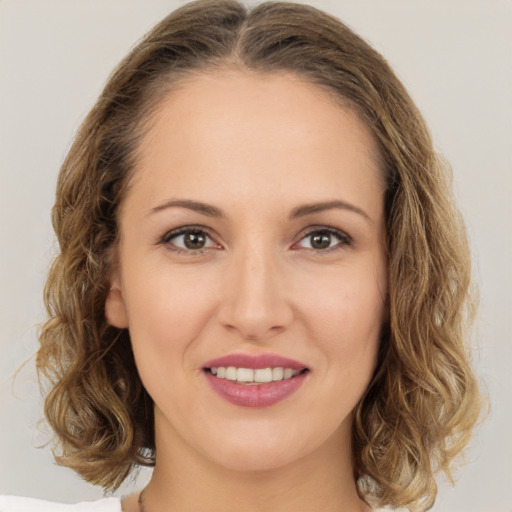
[18, 504]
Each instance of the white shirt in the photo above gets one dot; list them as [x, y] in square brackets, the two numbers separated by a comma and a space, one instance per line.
[18, 504]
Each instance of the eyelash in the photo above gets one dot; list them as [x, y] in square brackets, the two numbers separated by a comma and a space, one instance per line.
[170, 235]
[344, 239]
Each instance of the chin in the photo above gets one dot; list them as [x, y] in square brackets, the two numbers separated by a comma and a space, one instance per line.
[256, 462]
[260, 453]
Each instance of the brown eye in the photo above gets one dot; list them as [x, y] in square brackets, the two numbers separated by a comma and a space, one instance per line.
[194, 240]
[320, 240]
[324, 239]
[188, 239]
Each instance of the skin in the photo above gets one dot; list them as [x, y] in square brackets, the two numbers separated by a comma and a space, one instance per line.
[257, 147]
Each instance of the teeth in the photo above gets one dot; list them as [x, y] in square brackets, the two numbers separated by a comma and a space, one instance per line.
[277, 373]
[231, 373]
[250, 376]
[263, 375]
[245, 375]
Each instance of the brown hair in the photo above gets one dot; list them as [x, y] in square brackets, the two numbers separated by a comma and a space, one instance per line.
[423, 401]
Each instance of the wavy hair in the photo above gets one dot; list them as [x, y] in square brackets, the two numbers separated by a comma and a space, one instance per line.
[423, 401]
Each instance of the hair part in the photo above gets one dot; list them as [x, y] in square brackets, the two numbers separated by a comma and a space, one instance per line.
[423, 401]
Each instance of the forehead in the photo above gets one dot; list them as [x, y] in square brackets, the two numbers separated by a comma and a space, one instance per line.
[236, 126]
[266, 102]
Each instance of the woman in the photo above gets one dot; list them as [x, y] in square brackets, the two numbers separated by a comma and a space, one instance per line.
[263, 282]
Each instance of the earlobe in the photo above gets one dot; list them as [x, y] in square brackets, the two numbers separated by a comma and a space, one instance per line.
[115, 309]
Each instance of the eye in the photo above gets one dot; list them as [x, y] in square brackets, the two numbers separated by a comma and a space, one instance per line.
[323, 239]
[188, 239]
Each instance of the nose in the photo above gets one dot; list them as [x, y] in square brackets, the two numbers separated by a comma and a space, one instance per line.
[254, 296]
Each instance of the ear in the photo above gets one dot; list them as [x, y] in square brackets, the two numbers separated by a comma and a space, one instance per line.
[115, 309]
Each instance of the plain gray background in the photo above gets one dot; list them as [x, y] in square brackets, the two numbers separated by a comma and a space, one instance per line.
[455, 56]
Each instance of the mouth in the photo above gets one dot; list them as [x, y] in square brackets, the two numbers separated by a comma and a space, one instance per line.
[255, 380]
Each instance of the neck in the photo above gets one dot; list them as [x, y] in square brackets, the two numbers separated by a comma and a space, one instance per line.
[185, 480]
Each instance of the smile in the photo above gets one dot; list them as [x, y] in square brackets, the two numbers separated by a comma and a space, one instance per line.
[250, 380]
[250, 376]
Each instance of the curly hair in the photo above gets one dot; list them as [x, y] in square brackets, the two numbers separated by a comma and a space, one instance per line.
[423, 401]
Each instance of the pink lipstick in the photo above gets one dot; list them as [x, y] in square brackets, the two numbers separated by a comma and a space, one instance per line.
[255, 380]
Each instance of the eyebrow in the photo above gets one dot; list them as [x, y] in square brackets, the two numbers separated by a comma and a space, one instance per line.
[299, 211]
[310, 209]
[196, 206]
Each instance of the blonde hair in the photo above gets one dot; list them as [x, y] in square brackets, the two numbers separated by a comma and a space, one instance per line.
[423, 401]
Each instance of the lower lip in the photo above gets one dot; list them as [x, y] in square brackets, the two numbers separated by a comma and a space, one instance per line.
[256, 395]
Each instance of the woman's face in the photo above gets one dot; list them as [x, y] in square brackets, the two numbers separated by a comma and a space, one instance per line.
[252, 237]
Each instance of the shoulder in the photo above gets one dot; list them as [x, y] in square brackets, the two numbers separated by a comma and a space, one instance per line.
[19, 504]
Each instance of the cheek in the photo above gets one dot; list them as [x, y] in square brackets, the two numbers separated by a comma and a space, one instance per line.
[344, 321]
[167, 313]
[345, 304]
[167, 310]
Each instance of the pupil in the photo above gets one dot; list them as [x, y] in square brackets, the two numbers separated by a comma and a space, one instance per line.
[321, 240]
[194, 240]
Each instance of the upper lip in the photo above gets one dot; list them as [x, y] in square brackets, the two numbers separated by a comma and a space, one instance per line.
[255, 361]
